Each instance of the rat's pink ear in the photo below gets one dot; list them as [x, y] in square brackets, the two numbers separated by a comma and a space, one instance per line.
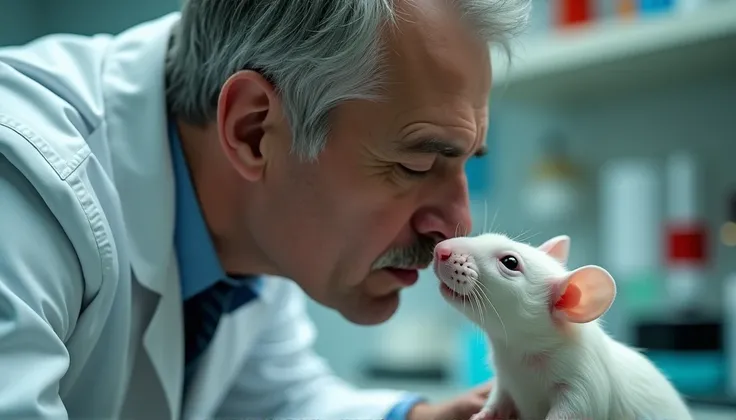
[584, 294]
[558, 248]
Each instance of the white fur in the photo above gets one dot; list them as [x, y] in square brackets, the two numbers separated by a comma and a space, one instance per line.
[605, 379]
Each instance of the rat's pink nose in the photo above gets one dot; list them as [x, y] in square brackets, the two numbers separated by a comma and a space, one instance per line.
[442, 252]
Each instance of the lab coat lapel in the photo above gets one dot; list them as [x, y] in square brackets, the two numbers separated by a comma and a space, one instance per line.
[135, 102]
[235, 338]
[163, 341]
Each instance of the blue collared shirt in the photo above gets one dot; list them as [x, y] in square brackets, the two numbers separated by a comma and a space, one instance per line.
[199, 265]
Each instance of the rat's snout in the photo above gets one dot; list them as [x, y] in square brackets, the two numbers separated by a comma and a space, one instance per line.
[442, 251]
[456, 268]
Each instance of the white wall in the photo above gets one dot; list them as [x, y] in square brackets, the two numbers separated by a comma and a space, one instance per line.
[23, 20]
[20, 21]
[91, 16]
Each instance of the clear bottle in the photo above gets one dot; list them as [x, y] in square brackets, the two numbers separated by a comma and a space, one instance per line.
[729, 328]
[728, 238]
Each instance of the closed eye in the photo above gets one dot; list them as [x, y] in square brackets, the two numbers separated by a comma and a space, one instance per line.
[412, 172]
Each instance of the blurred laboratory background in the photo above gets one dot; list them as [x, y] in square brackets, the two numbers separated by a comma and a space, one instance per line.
[614, 122]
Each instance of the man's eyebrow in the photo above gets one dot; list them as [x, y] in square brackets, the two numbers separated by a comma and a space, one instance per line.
[440, 147]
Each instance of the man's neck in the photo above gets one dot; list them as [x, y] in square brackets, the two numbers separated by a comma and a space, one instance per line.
[220, 194]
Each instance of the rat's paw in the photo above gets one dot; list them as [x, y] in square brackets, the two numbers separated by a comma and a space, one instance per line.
[496, 413]
[484, 415]
[500, 406]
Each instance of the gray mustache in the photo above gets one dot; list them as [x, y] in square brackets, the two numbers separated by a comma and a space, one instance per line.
[420, 253]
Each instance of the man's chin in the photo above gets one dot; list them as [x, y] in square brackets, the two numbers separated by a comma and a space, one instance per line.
[372, 310]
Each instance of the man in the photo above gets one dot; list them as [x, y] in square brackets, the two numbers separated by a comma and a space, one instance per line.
[168, 193]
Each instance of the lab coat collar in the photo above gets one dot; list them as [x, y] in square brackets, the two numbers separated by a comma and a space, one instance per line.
[133, 84]
[135, 103]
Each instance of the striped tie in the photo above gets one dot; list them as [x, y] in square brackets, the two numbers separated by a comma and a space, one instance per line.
[202, 313]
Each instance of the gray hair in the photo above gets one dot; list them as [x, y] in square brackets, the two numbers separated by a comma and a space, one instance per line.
[317, 53]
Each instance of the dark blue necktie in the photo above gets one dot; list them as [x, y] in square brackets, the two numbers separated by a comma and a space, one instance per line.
[202, 313]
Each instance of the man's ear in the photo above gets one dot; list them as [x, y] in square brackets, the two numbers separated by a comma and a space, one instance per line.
[583, 295]
[245, 109]
[558, 248]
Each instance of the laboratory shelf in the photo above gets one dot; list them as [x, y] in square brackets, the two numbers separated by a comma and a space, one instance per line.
[616, 57]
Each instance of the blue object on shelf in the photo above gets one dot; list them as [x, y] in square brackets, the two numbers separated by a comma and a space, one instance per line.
[655, 6]
[694, 373]
[476, 365]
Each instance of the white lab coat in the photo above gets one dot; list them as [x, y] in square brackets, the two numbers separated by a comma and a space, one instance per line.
[90, 305]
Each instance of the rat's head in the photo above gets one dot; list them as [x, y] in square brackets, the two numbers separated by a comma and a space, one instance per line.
[512, 288]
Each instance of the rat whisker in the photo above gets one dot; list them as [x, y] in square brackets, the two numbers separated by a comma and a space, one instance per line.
[493, 222]
[479, 302]
[488, 299]
[461, 230]
[465, 301]
[532, 236]
[516, 238]
[447, 303]
[528, 238]
[485, 215]
[469, 297]
[481, 307]
[491, 227]
[480, 333]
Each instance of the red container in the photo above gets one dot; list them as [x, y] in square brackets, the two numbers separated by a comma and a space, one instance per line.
[574, 12]
[686, 243]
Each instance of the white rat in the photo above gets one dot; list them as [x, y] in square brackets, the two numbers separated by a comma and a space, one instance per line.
[551, 357]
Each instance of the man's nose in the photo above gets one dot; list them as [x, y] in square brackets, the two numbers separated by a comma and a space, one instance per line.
[448, 217]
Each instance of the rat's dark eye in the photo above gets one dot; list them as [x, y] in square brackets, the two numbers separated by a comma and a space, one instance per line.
[510, 262]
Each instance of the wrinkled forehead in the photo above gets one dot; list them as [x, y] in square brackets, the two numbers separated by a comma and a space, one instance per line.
[432, 47]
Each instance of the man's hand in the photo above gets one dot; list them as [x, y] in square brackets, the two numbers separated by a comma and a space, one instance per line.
[461, 408]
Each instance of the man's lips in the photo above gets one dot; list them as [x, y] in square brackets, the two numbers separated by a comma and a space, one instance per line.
[407, 276]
